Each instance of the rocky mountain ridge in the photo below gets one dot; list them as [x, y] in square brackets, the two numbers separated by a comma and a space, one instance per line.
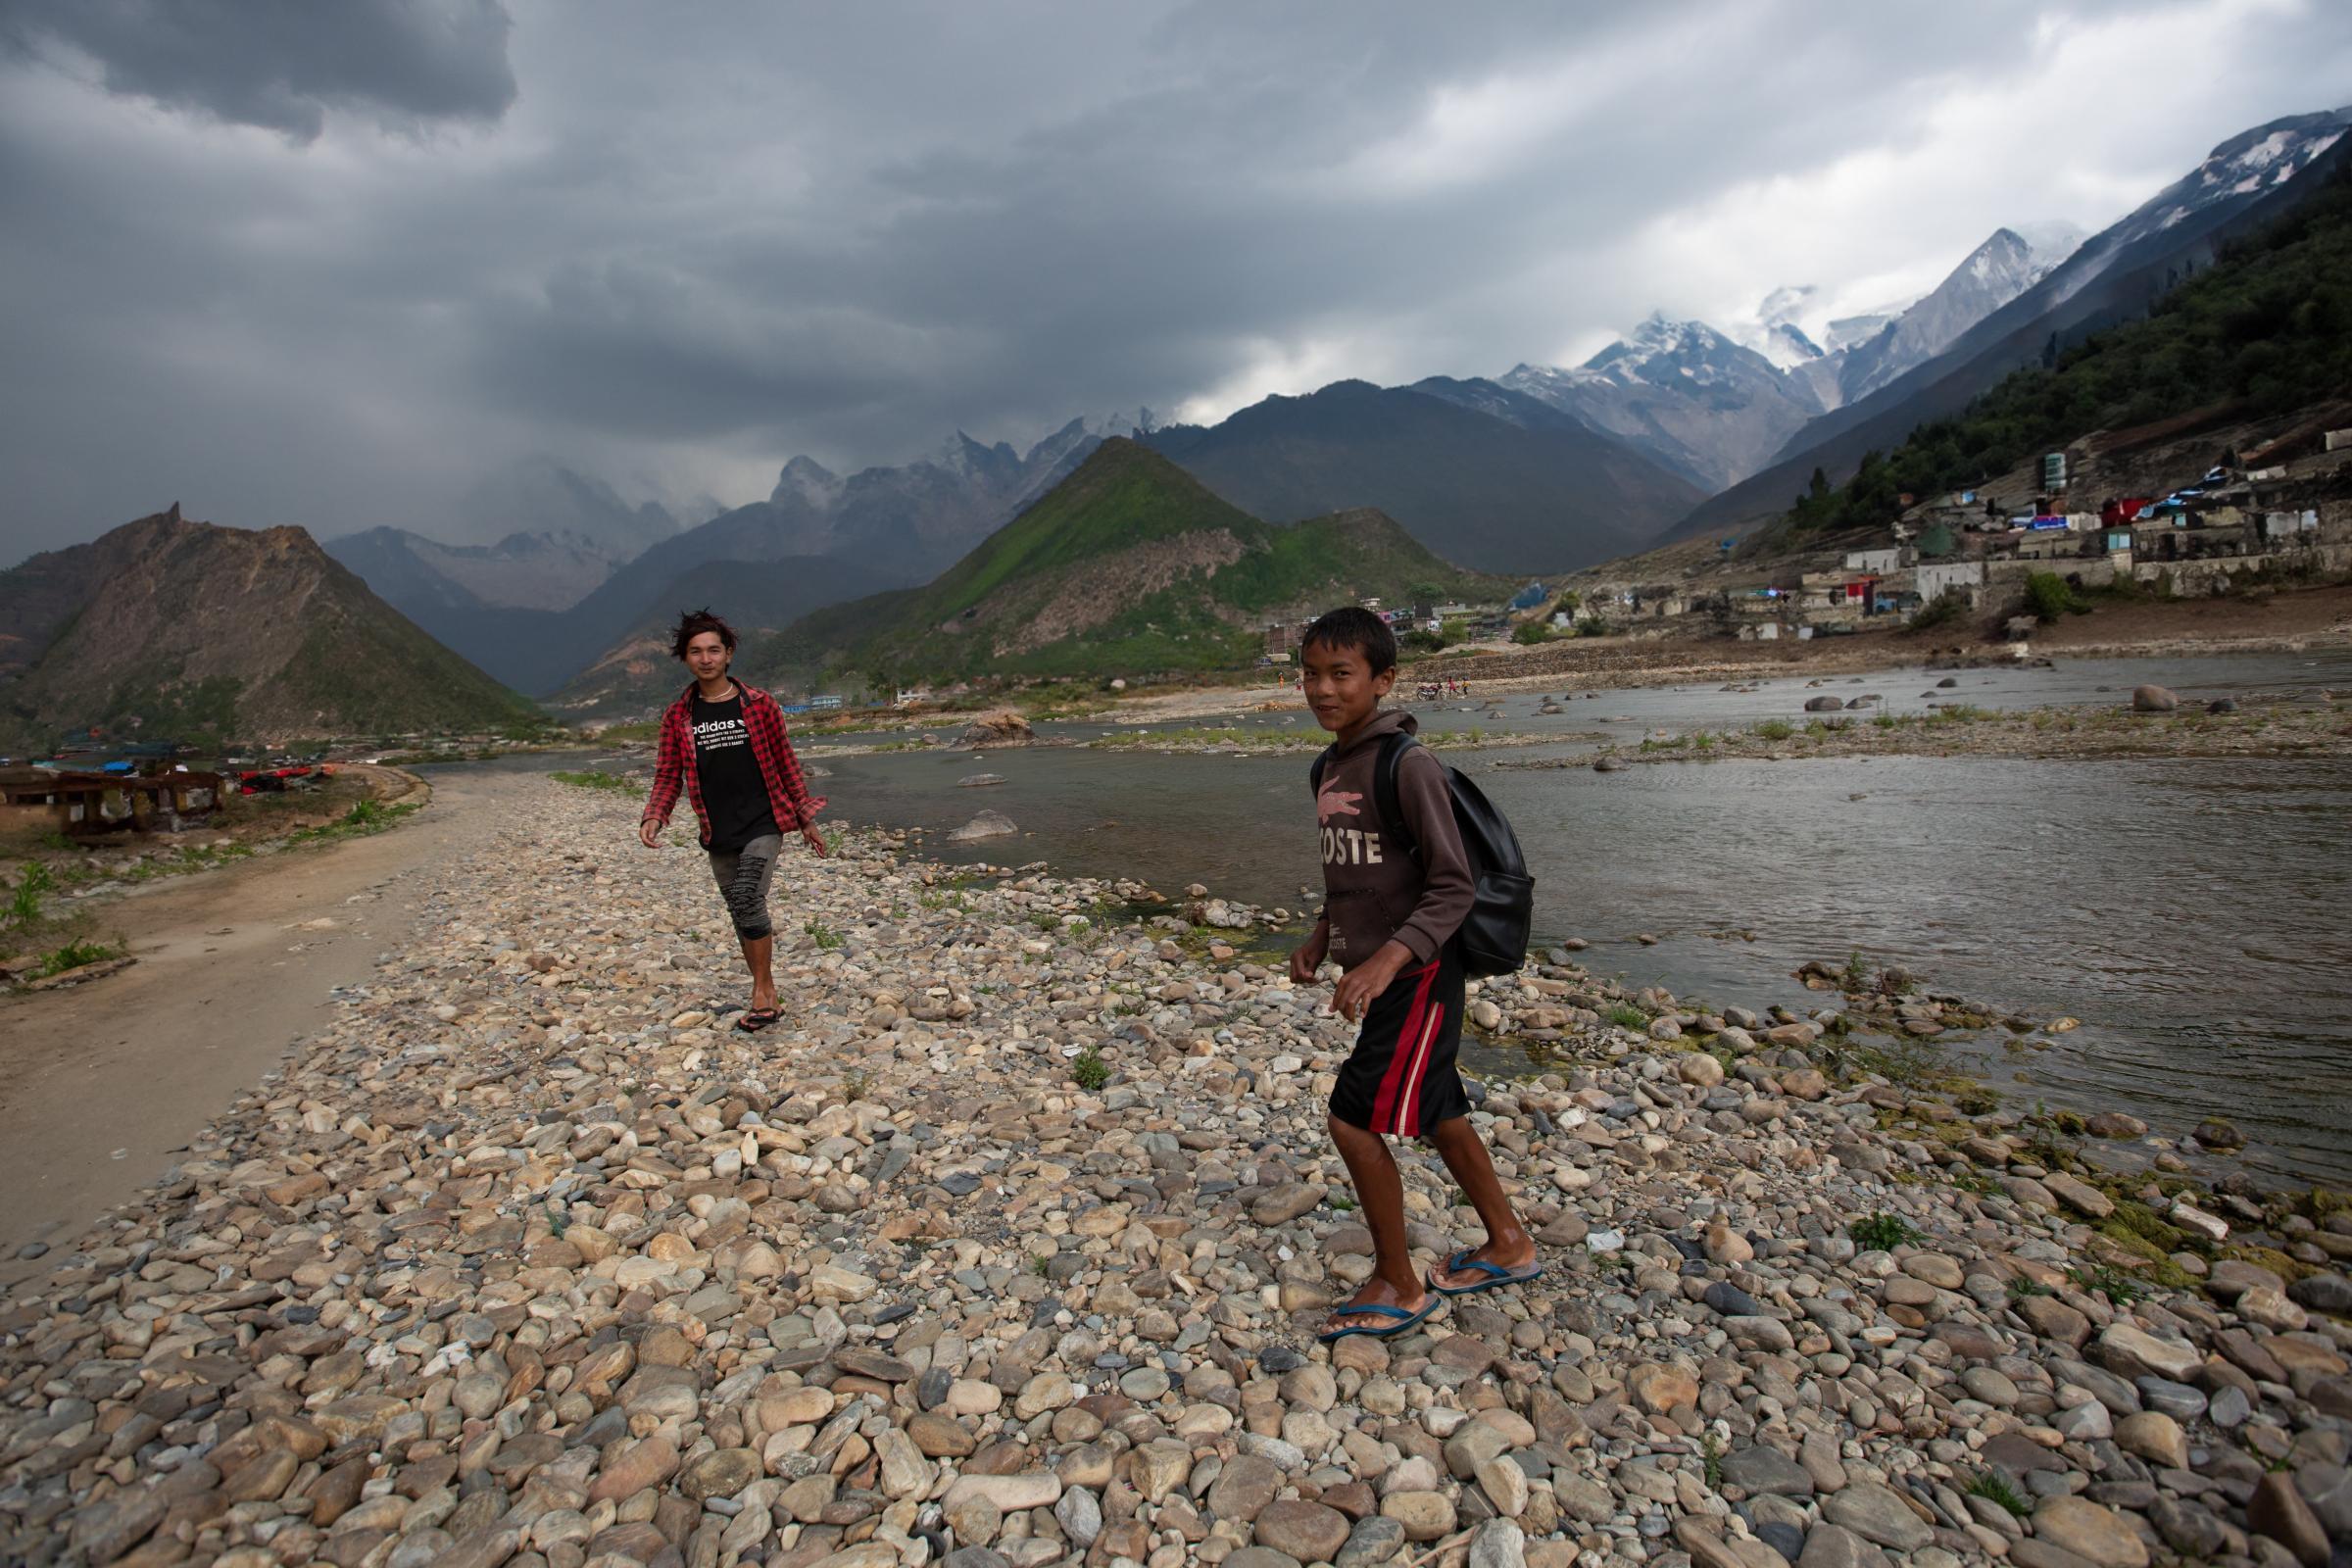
[1478, 481]
[2115, 275]
[171, 627]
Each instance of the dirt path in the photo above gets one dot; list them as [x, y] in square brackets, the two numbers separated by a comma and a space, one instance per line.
[99, 1084]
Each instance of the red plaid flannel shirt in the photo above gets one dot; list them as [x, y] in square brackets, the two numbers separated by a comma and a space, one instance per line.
[788, 794]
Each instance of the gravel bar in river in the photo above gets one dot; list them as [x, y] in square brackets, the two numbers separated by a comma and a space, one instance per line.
[529, 1258]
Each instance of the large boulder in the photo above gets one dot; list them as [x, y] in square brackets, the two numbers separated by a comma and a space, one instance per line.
[2153, 700]
[987, 825]
[999, 727]
[1823, 705]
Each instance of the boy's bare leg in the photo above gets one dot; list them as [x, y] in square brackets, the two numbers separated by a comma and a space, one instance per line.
[1507, 1244]
[759, 956]
[1381, 1192]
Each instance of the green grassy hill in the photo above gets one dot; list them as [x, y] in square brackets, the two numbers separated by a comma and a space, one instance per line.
[2267, 330]
[1128, 567]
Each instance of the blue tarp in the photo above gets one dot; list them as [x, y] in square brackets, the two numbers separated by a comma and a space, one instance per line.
[1530, 597]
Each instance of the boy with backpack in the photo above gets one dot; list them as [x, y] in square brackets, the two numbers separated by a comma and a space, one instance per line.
[1402, 903]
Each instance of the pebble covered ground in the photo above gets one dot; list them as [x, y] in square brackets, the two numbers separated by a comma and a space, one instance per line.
[529, 1258]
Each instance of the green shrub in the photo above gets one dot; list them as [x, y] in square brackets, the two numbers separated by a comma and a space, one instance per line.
[1626, 1016]
[823, 935]
[1881, 1231]
[1776, 729]
[1946, 609]
[1090, 1070]
[2048, 596]
[1528, 633]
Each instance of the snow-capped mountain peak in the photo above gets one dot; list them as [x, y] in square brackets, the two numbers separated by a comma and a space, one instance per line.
[2245, 165]
[1775, 330]
[1663, 350]
[2051, 240]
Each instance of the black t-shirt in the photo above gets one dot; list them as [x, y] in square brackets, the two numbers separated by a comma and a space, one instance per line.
[734, 795]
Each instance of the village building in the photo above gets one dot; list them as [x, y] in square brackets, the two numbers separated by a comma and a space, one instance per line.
[82, 802]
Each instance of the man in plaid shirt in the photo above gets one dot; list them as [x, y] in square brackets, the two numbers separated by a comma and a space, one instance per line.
[724, 743]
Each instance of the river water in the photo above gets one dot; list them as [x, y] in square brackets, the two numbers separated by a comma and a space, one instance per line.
[2195, 915]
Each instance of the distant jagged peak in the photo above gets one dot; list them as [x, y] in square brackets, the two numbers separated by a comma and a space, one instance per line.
[805, 483]
[1774, 330]
[2051, 240]
[1664, 351]
[964, 456]
[1845, 331]
[538, 494]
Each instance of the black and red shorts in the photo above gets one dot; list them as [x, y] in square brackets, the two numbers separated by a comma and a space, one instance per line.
[1400, 1078]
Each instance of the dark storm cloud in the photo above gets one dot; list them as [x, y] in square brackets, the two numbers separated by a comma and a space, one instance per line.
[284, 64]
[673, 246]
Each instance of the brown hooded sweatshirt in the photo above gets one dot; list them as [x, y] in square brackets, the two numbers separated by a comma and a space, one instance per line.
[1374, 888]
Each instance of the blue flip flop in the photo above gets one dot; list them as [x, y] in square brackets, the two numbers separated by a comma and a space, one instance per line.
[1502, 1276]
[1405, 1320]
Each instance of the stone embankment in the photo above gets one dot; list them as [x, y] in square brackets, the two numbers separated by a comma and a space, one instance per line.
[1012, 1245]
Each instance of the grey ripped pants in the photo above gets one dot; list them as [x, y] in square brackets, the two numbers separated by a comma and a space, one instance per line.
[743, 878]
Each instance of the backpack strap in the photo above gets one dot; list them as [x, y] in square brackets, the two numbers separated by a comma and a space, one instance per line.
[1314, 771]
[1393, 747]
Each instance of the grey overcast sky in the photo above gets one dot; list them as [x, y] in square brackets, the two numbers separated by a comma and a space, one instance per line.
[335, 265]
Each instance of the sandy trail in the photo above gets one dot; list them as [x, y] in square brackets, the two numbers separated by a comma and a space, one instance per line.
[101, 1083]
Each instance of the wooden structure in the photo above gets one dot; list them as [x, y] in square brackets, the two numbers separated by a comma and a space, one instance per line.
[84, 804]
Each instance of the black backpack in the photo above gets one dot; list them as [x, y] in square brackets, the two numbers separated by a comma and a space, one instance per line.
[1493, 936]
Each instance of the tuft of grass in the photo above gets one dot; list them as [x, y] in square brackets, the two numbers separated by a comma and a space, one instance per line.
[596, 778]
[1883, 1232]
[73, 955]
[1997, 1492]
[1341, 1203]
[24, 900]
[1090, 1069]
[2113, 1282]
[825, 936]
[1710, 1454]
[1628, 1016]
[854, 1083]
[2021, 1287]
[363, 819]
[1776, 729]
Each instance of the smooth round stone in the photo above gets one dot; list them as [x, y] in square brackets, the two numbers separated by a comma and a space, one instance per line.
[1990, 1384]
[2175, 1400]
[1144, 1384]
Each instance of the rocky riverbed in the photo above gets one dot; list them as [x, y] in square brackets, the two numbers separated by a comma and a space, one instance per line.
[1012, 1245]
[1853, 726]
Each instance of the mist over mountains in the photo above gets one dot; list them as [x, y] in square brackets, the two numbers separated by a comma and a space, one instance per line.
[1679, 427]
